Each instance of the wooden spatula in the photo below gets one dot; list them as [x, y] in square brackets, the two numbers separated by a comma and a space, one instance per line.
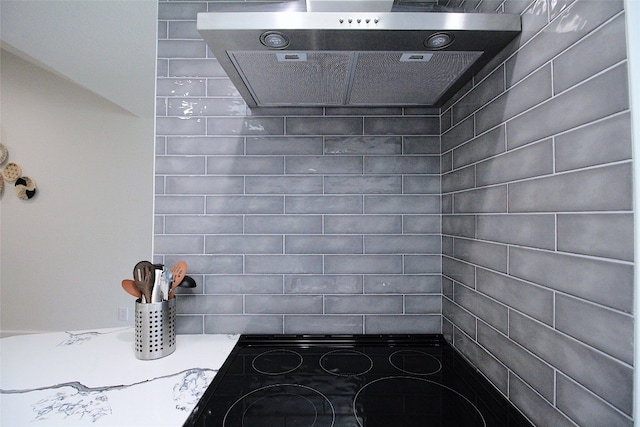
[179, 270]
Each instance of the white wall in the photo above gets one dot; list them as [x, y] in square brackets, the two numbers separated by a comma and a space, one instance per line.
[64, 253]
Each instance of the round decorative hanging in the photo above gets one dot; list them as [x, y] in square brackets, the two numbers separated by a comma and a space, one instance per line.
[11, 172]
[25, 188]
[3, 154]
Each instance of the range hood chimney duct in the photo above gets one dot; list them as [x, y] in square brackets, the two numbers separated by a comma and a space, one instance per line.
[352, 53]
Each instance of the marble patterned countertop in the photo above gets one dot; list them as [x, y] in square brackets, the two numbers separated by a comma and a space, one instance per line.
[93, 378]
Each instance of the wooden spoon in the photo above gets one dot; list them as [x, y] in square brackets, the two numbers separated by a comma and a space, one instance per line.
[130, 287]
[178, 271]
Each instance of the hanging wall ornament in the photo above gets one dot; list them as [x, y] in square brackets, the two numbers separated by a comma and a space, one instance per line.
[1, 183]
[3, 154]
[25, 188]
[11, 172]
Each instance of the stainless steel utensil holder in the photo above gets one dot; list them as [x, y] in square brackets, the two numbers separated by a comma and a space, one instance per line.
[155, 329]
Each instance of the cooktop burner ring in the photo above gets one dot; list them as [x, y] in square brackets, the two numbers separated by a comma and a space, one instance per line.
[288, 361]
[339, 370]
[461, 409]
[428, 365]
[263, 394]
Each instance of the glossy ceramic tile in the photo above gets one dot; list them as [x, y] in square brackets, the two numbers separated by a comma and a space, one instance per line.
[592, 324]
[599, 97]
[602, 235]
[535, 406]
[601, 281]
[491, 312]
[401, 125]
[322, 284]
[593, 410]
[610, 379]
[530, 299]
[524, 364]
[598, 143]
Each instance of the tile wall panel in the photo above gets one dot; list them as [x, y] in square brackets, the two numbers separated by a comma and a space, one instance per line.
[537, 223]
[314, 220]
[502, 220]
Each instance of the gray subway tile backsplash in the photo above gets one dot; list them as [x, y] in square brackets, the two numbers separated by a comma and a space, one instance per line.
[222, 284]
[519, 361]
[323, 324]
[422, 264]
[531, 91]
[372, 184]
[502, 219]
[277, 184]
[492, 367]
[601, 142]
[607, 377]
[577, 63]
[283, 264]
[534, 405]
[481, 253]
[362, 224]
[554, 38]
[204, 145]
[363, 304]
[593, 324]
[607, 188]
[601, 96]
[536, 231]
[481, 200]
[322, 284]
[533, 300]
[410, 323]
[490, 311]
[204, 184]
[593, 410]
[231, 204]
[333, 244]
[322, 165]
[225, 244]
[323, 204]
[492, 86]
[283, 304]
[602, 235]
[601, 281]
[484, 146]
[367, 145]
[401, 125]
[532, 161]
[359, 264]
[236, 323]
[324, 125]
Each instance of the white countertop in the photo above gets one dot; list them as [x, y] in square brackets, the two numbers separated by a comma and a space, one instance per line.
[93, 378]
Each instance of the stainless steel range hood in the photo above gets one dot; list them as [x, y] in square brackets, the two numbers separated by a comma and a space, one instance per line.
[291, 54]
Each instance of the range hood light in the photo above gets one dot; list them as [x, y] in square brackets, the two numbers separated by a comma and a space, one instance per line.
[274, 40]
[439, 41]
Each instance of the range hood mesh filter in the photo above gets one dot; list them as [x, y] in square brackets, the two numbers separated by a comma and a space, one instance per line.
[349, 78]
[322, 79]
[382, 79]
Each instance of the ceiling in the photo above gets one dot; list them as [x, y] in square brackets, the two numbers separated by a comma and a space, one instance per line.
[106, 46]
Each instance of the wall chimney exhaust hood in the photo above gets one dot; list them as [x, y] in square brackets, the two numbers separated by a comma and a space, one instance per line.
[355, 53]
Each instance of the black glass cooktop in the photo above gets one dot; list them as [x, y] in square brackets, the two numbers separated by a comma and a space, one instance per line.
[350, 381]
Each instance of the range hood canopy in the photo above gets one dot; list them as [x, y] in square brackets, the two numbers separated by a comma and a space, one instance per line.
[357, 53]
